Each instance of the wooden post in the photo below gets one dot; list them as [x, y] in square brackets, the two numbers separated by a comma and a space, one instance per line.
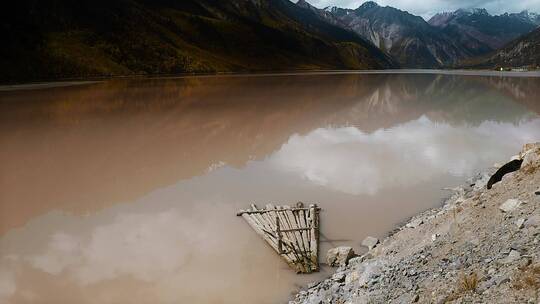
[314, 242]
[278, 231]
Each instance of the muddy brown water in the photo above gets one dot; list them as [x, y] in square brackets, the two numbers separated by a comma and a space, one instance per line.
[125, 191]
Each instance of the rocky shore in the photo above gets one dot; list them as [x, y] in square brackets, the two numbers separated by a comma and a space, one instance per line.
[481, 246]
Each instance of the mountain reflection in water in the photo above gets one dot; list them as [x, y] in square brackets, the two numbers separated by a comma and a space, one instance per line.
[126, 190]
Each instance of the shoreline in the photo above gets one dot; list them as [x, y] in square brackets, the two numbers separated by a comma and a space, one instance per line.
[68, 81]
[467, 251]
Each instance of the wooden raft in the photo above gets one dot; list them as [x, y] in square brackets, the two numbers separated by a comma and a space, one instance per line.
[293, 232]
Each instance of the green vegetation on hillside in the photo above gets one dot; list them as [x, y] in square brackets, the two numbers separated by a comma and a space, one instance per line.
[61, 38]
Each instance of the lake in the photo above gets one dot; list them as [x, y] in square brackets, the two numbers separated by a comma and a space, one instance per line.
[126, 190]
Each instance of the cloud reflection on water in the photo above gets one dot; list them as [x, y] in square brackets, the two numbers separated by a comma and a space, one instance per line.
[349, 160]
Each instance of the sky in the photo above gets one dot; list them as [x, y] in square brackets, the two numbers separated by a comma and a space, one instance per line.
[428, 8]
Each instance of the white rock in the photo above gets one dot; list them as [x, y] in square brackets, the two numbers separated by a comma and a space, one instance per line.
[519, 223]
[340, 276]
[531, 156]
[533, 221]
[356, 260]
[415, 223]
[474, 241]
[358, 299]
[510, 205]
[370, 242]
[434, 237]
[513, 256]
[339, 256]
[352, 277]
[529, 147]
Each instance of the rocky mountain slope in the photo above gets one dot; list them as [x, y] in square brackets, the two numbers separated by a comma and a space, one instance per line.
[480, 247]
[408, 38]
[58, 39]
[522, 52]
[446, 40]
[480, 32]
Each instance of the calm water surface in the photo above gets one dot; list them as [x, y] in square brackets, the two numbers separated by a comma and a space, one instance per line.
[125, 191]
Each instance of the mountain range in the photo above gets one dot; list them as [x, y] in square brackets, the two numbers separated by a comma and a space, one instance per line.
[444, 41]
[478, 30]
[65, 39]
[408, 38]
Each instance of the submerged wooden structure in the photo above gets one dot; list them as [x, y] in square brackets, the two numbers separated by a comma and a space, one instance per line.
[293, 232]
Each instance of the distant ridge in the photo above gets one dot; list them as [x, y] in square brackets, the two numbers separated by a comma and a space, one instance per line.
[523, 52]
[480, 32]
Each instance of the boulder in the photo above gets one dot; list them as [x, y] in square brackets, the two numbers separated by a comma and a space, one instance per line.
[339, 256]
[530, 154]
[370, 242]
[510, 205]
[528, 147]
[504, 170]
[531, 158]
[519, 223]
[537, 192]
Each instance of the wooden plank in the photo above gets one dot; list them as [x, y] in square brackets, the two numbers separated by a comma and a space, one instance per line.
[266, 211]
[299, 216]
[314, 219]
[303, 223]
[260, 220]
[261, 226]
[301, 230]
[257, 229]
[298, 237]
[291, 221]
[280, 240]
[299, 267]
[271, 224]
[266, 222]
[296, 229]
